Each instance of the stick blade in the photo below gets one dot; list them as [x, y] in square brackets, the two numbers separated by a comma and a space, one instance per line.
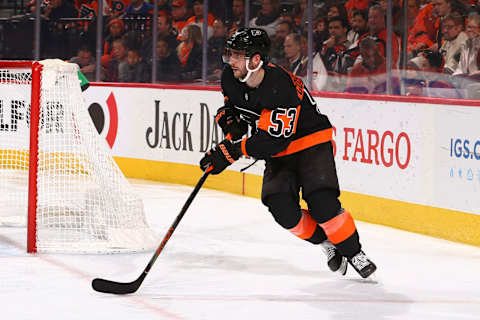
[107, 286]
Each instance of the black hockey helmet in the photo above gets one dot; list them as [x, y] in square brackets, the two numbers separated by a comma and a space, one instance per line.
[252, 41]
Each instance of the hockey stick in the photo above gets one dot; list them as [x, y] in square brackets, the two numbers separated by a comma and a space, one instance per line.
[107, 286]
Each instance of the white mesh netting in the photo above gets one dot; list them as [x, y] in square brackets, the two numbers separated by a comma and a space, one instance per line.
[84, 203]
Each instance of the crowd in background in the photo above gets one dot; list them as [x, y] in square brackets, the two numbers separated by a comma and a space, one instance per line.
[435, 47]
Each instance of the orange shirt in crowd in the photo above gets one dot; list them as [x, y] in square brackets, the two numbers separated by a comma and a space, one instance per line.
[353, 5]
[424, 30]
[210, 20]
[179, 25]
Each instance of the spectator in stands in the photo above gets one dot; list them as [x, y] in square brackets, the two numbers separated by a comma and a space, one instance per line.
[30, 6]
[85, 61]
[216, 47]
[413, 9]
[475, 9]
[268, 17]
[197, 17]
[467, 65]
[284, 28]
[369, 75]
[298, 11]
[238, 10]
[189, 53]
[425, 31]
[163, 8]
[352, 5]
[138, 8]
[397, 17]
[168, 65]
[179, 15]
[137, 69]
[58, 9]
[116, 30]
[429, 80]
[294, 61]
[338, 10]
[88, 9]
[320, 32]
[167, 32]
[61, 35]
[334, 47]
[287, 15]
[117, 66]
[455, 39]
[359, 22]
[377, 30]
[164, 31]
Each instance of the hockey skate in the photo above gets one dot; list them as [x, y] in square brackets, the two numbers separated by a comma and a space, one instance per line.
[362, 264]
[336, 262]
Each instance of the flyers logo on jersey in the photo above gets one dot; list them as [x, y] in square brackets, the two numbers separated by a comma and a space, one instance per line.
[281, 122]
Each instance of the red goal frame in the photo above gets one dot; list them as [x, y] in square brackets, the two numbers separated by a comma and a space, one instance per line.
[36, 69]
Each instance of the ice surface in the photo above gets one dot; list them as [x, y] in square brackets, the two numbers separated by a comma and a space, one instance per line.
[228, 259]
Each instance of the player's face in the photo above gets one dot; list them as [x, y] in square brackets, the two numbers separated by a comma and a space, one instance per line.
[236, 60]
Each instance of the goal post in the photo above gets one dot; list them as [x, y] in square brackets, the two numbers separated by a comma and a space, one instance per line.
[57, 174]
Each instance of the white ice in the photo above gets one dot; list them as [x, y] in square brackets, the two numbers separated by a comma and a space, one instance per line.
[228, 259]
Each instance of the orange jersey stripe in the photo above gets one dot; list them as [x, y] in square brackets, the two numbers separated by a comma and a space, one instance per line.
[307, 142]
[305, 227]
[244, 147]
[339, 228]
[264, 120]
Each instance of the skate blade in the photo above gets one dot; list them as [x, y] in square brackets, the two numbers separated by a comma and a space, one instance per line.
[343, 267]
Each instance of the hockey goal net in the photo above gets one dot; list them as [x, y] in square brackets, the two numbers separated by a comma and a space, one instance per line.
[57, 175]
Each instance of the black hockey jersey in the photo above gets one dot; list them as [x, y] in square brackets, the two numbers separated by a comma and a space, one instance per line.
[284, 117]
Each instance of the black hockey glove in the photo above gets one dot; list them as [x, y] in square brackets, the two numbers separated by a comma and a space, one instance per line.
[220, 157]
[230, 122]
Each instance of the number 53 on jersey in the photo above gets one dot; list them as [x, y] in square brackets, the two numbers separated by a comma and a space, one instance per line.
[280, 122]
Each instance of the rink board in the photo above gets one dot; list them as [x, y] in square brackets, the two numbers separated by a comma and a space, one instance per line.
[412, 164]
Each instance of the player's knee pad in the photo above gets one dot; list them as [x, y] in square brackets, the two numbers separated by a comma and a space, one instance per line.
[284, 209]
[323, 204]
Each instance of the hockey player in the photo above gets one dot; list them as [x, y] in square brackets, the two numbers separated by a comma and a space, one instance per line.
[294, 138]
